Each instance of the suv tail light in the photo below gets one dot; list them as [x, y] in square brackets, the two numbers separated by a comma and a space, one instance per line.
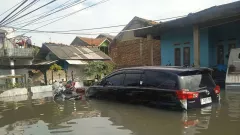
[185, 94]
[217, 89]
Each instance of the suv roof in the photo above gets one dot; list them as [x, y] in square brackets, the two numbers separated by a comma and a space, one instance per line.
[175, 69]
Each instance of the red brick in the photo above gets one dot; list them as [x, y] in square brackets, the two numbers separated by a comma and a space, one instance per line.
[127, 53]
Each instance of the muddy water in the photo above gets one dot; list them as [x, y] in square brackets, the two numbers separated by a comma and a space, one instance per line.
[40, 115]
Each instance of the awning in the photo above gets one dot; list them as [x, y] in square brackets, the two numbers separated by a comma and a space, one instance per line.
[76, 62]
[45, 62]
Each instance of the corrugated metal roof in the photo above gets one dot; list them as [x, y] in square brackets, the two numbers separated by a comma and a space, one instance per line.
[45, 62]
[76, 62]
[66, 52]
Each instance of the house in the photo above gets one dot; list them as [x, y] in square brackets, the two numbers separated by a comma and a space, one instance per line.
[102, 41]
[109, 37]
[128, 50]
[72, 58]
[203, 38]
[13, 54]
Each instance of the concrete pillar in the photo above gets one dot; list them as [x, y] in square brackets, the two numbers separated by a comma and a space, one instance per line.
[196, 42]
[149, 38]
[12, 71]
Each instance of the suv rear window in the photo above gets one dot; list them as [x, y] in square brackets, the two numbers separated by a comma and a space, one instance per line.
[160, 80]
[196, 82]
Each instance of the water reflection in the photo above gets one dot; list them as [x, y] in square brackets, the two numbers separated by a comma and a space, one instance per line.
[40, 115]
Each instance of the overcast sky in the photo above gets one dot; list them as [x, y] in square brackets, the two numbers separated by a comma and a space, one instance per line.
[113, 12]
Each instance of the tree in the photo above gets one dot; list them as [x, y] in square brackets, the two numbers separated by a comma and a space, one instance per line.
[98, 68]
[55, 67]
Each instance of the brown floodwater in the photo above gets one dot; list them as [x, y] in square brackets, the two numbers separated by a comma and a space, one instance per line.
[40, 115]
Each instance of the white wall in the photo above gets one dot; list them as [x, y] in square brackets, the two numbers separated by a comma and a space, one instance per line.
[78, 72]
[17, 71]
[4, 72]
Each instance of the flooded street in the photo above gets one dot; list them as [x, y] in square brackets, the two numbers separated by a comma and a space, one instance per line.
[40, 115]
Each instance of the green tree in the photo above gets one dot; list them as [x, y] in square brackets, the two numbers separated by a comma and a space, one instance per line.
[98, 68]
[55, 67]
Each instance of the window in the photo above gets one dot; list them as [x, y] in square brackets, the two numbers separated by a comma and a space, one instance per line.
[195, 82]
[115, 80]
[186, 56]
[177, 57]
[132, 79]
[159, 80]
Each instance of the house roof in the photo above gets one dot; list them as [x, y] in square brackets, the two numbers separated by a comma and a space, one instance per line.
[215, 14]
[140, 20]
[106, 36]
[66, 52]
[93, 41]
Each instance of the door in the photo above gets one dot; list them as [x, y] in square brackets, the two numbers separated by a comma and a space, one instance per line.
[177, 57]
[132, 83]
[112, 85]
[160, 87]
[220, 54]
[186, 56]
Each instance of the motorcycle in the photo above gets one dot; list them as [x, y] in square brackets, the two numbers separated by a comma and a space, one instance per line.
[68, 92]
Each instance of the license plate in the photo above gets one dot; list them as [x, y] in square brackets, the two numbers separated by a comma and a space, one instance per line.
[206, 100]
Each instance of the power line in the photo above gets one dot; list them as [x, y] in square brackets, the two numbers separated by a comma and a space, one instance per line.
[35, 20]
[31, 11]
[102, 1]
[11, 8]
[13, 11]
[68, 33]
[97, 28]
[23, 21]
[21, 11]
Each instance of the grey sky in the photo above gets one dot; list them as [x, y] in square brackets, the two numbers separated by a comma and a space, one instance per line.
[113, 12]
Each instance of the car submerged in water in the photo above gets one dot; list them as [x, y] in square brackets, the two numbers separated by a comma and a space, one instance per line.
[175, 87]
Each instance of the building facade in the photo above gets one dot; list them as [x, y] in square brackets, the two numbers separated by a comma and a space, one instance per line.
[203, 39]
[127, 50]
[215, 44]
[102, 41]
[13, 55]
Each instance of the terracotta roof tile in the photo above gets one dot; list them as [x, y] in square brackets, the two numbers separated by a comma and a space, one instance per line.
[92, 41]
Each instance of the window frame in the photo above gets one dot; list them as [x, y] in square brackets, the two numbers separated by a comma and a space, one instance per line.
[188, 55]
[220, 58]
[140, 79]
[177, 63]
[171, 75]
[114, 74]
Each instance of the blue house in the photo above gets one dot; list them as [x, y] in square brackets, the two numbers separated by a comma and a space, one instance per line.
[200, 39]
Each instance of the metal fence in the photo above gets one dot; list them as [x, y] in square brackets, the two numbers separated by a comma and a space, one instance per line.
[17, 52]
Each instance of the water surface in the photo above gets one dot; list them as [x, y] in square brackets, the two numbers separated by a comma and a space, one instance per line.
[40, 115]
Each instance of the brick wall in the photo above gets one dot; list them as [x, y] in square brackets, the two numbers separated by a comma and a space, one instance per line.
[135, 53]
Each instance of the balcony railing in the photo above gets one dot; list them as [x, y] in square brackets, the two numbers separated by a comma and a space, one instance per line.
[17, 52]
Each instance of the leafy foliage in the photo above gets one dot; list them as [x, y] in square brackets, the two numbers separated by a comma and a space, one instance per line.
[36, 50]
[98, 68]
[55, 67]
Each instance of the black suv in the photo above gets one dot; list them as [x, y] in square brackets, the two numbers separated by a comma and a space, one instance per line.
[177, 87]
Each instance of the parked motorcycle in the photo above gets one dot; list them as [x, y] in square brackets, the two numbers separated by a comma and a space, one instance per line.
[71, 91]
